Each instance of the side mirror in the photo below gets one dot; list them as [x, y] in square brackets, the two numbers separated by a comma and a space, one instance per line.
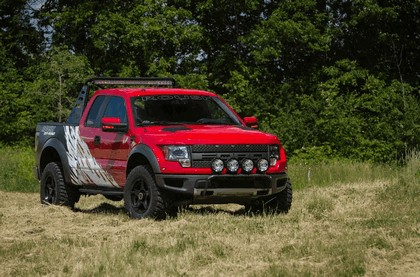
[251, 121]
[113, 124]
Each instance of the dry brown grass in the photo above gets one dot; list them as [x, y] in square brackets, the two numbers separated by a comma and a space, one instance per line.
[345, 230]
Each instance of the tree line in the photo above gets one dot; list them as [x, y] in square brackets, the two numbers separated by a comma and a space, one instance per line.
[333, 79]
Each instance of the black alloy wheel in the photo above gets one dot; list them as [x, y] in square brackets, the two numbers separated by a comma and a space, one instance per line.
[142, 198]
[49, 193]
[54, 191]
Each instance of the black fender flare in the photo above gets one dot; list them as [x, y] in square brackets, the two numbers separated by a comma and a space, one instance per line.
[147, 152]
[58, 146]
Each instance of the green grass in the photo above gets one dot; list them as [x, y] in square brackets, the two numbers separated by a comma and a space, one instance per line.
[16, 169]
[344, 230]
[347, 219]
[323, 173]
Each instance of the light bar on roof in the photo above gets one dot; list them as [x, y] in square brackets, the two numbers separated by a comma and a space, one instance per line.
[142, 81]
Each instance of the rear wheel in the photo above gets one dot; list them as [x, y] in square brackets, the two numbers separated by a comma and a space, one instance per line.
[142, 198]
[54, 190]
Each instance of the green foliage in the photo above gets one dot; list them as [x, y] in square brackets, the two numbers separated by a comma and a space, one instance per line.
[194, 81]
[19, 37]
[148, 38]
[360, 115]
[350, 113]
[14, 107]
[20, 43]
[56, 84]
[16, 169]
[333, 79]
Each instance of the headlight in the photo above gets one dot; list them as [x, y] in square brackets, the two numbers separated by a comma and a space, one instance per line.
[180, 154]
[274, 154]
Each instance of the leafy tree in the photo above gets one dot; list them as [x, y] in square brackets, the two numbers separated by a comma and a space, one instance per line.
[331, 78]
[14, 108]
[284, 49]
[19, 37]
[125, 37]
[56, 85]
[358, 115]
[20, 43]
[382, 36]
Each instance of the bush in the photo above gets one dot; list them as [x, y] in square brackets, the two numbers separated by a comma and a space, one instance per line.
[16, 169]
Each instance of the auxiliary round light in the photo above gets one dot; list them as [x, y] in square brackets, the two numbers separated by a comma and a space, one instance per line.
[232, 165]
[262, 165]
[247, 165]
[217, 165]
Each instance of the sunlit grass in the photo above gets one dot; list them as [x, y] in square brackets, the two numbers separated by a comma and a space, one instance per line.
[323, 174]
[347, 219]
[343, 230]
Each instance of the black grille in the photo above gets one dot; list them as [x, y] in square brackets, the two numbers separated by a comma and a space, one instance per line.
[211, 148]
[203, 155]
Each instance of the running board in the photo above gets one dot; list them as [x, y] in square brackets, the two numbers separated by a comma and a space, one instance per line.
[94, 191]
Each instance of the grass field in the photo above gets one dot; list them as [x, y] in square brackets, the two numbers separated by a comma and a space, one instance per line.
[353, 220]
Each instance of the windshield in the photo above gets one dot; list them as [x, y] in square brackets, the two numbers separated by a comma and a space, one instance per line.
[181, 109]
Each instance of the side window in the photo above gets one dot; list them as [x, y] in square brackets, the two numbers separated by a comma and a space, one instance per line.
[93, 115]
[116, 108]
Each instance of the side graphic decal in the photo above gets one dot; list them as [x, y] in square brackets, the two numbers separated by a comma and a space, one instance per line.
[84, 169]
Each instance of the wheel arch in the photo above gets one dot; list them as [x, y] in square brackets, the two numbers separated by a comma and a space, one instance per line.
[54, 151]
[142, 155]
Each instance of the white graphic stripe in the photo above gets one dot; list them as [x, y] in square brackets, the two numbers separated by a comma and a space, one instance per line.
[84, 169]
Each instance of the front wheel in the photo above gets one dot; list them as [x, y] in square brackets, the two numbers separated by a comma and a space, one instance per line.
[142, 198]
[283, 200]
[53, 188]
[279, 203]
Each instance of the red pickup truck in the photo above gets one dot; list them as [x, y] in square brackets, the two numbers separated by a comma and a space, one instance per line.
[158, 147]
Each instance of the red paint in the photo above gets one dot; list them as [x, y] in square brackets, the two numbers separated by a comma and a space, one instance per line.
[113, 149]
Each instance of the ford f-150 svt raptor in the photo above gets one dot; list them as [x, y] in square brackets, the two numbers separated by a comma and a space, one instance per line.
[159, 147]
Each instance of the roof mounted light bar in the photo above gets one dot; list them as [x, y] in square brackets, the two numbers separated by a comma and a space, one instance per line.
[81, 101]
[140, 81]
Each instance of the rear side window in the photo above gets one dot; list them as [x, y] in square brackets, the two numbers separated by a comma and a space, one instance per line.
[116, 108]
[92, 119]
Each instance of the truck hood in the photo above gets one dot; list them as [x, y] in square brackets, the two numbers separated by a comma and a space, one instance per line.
[205, 134]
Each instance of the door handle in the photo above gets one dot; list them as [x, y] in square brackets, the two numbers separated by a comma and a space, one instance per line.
[97, 140]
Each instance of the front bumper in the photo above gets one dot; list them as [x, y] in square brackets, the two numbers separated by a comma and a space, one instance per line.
[218, 189]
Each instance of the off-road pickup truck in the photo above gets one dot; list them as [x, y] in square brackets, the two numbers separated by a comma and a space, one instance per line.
[158, 147]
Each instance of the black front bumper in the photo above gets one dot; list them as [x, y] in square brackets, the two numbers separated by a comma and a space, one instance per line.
[218, 189]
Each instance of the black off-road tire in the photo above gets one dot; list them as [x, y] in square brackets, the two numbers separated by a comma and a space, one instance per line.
[142, 198]
[54, 191]
[283, 201]
[279, 203]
